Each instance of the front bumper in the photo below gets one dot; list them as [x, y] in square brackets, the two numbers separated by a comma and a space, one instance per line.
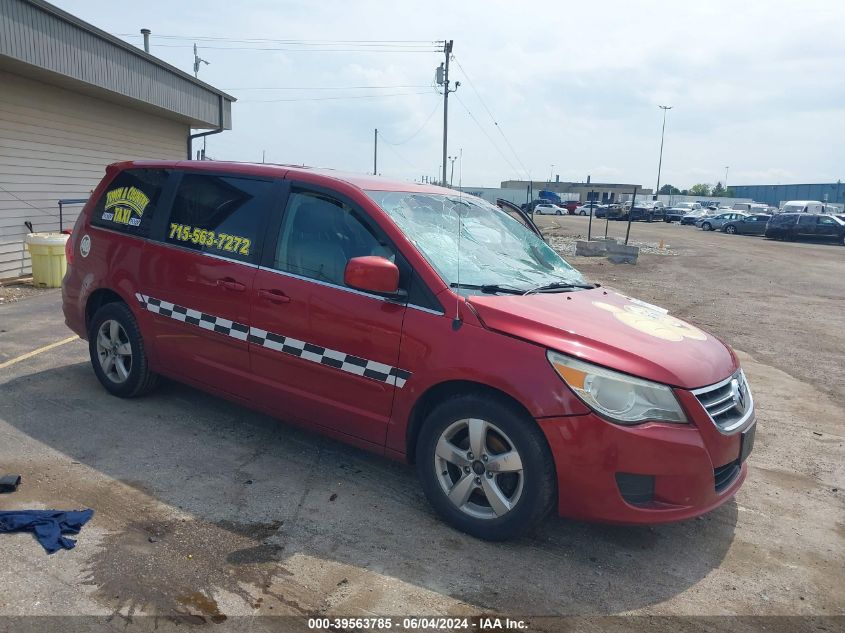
[692, 468]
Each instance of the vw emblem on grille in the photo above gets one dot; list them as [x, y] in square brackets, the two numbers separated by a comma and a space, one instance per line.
[738, 393]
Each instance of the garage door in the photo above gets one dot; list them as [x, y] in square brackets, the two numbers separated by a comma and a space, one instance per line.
[55, 143]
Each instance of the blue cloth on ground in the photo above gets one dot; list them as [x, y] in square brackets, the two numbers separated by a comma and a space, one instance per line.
[48, 525]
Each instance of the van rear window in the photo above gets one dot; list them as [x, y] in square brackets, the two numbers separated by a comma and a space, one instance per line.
[130, 201]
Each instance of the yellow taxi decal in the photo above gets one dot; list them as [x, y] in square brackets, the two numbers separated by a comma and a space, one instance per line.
[125, 205]
[204, 237]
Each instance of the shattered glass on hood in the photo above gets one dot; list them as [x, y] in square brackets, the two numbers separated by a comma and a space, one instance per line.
[491, 248]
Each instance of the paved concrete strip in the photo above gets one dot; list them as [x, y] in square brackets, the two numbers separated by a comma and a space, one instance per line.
[36, 352]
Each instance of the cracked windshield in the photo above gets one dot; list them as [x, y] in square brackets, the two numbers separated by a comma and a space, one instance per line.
[492, 248]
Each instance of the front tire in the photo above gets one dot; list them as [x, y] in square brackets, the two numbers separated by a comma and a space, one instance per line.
[117, 352]
[485, 466]
[706, 227]
[731, 229]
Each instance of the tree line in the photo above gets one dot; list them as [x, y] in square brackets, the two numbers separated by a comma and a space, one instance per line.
[700, 189]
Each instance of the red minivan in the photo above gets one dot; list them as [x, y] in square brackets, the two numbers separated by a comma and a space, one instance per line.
[413, 321]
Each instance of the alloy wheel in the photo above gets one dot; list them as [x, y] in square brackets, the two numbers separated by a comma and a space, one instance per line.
[114, 351]
[730, 229]
[479, 468]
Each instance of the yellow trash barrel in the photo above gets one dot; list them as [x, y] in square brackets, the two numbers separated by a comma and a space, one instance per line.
[49, 264]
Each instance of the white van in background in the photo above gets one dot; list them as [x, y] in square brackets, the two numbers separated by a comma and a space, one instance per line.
[803, 206]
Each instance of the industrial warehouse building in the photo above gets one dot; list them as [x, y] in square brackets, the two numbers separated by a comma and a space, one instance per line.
[604, 192]
[776, 195]
[72, 100]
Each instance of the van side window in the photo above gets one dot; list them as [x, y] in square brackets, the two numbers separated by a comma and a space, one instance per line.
[320, 234]
[130, 201]
[807, 220]
[219, 215]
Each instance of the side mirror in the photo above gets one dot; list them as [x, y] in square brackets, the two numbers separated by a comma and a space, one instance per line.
[372, 274]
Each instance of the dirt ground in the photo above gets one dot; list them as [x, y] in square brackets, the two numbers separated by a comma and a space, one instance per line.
[209, 513]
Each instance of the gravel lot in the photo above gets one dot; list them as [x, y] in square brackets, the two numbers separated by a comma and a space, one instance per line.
[207, 511]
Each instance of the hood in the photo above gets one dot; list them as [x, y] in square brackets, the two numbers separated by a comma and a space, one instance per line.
[607, 328]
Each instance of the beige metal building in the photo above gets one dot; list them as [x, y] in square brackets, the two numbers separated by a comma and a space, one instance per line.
[72, 100]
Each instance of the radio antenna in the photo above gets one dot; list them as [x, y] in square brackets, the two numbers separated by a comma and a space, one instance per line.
[456, 322]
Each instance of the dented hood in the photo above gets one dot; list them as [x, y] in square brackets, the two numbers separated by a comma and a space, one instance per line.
[607, 328]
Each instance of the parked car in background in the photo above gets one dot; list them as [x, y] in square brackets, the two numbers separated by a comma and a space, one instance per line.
[611, 212]
[646, 213]
[588, 208]
[547, 208]
[716, 222]
[749, 225]
[571, 206]
[691, 217]
[807, 226]
[677, 212]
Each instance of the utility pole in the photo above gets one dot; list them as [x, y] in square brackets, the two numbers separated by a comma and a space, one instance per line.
[660, 163]
[375, 154]
[442, 79]
[197, 61]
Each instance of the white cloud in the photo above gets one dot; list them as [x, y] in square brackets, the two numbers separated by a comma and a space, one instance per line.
[754, 85]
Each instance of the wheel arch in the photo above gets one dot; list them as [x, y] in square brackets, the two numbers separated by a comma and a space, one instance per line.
[97, 300]
[436, 394]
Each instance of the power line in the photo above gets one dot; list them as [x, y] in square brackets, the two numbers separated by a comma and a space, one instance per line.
[420, 129]
[492, 118]
[402, 158]
[483, 131]
[339, 98]
[290, 41]
[55, 215]
[304, 50]
[329, 88]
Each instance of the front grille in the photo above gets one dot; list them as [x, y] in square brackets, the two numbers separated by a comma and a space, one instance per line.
[725, 475]
[728, 403]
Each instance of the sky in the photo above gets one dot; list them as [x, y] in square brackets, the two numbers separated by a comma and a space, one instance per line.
[547, 88]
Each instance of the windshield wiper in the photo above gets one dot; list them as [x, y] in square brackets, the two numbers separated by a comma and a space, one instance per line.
[489, 288]
[559, 285]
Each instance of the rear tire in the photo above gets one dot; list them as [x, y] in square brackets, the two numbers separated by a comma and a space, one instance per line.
[117, 352]
[460, 484]
[731, 229]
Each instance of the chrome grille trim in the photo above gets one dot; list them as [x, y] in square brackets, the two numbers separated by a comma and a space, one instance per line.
[721, 402]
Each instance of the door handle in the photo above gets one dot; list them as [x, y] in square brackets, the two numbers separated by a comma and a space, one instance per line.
[273, 295]
[230, 284]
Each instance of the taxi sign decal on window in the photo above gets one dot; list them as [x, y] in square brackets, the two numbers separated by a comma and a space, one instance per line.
[125, 205]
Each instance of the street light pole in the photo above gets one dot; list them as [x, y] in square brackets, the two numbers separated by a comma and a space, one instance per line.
[660, 162]
[727, 167]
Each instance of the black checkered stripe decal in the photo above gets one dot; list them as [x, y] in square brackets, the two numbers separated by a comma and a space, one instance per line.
[278, 342]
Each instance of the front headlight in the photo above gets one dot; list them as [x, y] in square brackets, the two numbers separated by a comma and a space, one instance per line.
[618, 397]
